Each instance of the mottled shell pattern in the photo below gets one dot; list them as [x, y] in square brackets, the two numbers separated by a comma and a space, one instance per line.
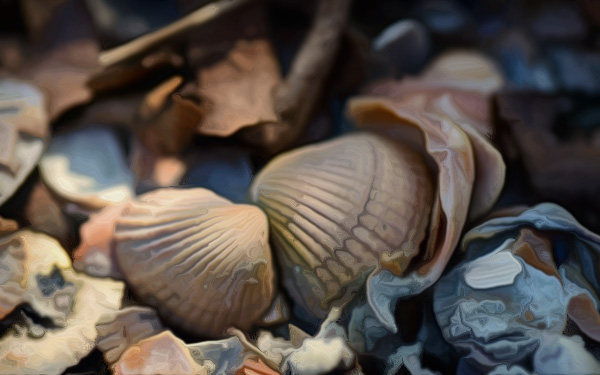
[35, 270]
[340, 209]
[203, 261]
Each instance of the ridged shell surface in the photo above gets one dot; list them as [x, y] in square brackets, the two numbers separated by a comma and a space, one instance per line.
[341, 209]
[201, 260]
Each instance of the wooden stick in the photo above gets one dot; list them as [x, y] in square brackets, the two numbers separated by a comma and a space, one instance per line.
[143, 43]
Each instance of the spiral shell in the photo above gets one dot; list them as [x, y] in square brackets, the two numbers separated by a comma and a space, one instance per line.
[340, 209]
[203, 261]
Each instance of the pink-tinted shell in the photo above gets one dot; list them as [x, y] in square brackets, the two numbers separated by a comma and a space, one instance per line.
[201, 260]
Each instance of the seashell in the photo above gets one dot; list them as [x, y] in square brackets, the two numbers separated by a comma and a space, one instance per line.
[255, 367]
[560, 354]
[166, 354]
[126, 328]
[87, 166]
[449, 121]
[95, 255]
[35, 270]
[508, 300]
[201, 260]
[325, 353]
[23, 133]
[340, 209]
[522, 301]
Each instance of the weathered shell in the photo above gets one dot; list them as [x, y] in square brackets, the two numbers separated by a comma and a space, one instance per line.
[166, 354]
[35, 270]
[126, 328]
[203, 261]
[341, 209]
[88, 167]
[509, 301]
[23, 133]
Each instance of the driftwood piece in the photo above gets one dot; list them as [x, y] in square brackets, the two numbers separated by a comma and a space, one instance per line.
[147, 41]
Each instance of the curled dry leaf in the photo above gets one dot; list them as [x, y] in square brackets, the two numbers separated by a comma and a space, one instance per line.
[65, 57]
[448, 121]
[510, 281]
[44, 213]
[171, 130]
[23, 133]
[126, 328]
[340, 209]
[87, 166]
[165, 354]
[201, 260]
[37, 272]
[236, 92]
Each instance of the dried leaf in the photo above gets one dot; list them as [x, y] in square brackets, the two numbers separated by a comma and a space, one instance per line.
[237, 91]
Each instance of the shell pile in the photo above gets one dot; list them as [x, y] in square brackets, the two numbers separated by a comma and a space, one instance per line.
[237, 187]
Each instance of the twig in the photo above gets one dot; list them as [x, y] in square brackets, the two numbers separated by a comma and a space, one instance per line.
[296, 98]
[143, 43]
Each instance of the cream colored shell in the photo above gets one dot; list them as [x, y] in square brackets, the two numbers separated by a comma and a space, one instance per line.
[201, 260]
[35, 270]
[340, 209]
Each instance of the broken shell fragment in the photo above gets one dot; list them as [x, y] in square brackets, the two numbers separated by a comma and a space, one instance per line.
[36, 271]
[201, 260]
[165, 354]
[340, 209]
[126, 328]
[325, 353]
[23, 133]
[87, 166]
[95, 253]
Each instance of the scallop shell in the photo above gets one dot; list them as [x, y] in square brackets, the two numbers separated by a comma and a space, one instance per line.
[203, 261]
[341, 209]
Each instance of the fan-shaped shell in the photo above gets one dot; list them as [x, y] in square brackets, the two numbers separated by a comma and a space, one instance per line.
[203, 261]
[340, 209]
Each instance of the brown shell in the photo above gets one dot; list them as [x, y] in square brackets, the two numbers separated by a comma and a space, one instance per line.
[340, 209]
[201, 260]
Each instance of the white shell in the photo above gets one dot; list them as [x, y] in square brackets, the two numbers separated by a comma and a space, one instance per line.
[88, 167]
[23, 133]
[166, 354]
[203, 261]
[340, 209]
[37, 271]
[500, 268]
